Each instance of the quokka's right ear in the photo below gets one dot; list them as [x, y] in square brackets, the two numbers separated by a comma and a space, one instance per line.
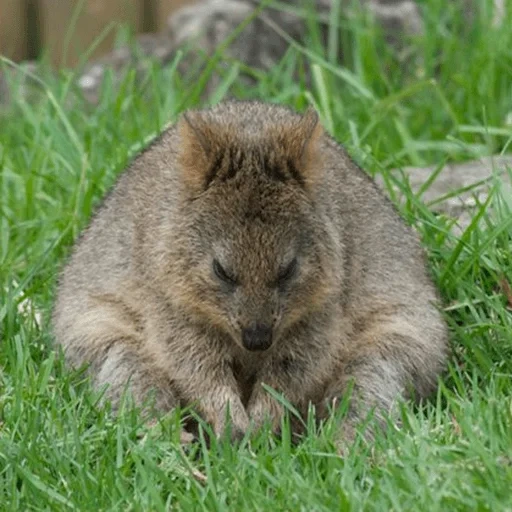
[195, 148]
[301, 141]
[308, 149]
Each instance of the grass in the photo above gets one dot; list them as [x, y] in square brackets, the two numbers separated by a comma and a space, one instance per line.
[450, 101]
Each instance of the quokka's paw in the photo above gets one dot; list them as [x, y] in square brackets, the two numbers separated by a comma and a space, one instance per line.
[352, 434]
[234, 433]
[345, 439]
[265, 409]
[152, 429]
[234, 429]
[186, 438]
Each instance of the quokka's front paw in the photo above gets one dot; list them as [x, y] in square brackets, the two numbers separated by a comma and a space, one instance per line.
[234, 426]
[354, 432]
[264, 408]
[152, 429]
[186, 437]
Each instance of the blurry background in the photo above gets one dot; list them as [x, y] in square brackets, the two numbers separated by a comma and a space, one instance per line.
[67, 28]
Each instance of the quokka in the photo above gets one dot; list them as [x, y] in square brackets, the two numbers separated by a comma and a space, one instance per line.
[244, 247]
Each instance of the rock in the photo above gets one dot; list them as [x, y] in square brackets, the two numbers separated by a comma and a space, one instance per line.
[147, 48]
[499, 12]
[397, 17]
[205, 24]
[261, 44]
[475, 177]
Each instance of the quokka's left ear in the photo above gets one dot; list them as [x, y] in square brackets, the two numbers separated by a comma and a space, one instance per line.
[311, 156]
[197, 143]
[302, 143]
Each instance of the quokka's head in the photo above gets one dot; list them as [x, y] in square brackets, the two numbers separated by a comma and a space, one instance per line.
[258, 252]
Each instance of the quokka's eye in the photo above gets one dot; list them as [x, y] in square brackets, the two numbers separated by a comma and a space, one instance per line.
[223, 274]
[287, 272]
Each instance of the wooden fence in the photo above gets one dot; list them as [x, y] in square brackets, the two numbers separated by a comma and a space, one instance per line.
[66, 28]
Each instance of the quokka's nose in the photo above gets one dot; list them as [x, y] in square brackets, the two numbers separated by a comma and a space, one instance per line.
[257, 337]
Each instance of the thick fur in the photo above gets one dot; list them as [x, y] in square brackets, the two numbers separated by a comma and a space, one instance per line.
[253, 186]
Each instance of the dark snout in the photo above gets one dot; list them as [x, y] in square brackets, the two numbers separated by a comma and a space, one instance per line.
[257, 337]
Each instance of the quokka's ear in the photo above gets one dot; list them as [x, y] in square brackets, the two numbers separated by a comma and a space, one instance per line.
[302, 142]
[311, 152]
[195, 148]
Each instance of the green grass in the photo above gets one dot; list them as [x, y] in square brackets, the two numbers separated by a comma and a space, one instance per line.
[59, 450]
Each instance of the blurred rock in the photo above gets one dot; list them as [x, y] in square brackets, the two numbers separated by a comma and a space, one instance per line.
[466, 175]
[146, 49]
[204, 25]
[397, 17]
[261, 44]
[499, 12]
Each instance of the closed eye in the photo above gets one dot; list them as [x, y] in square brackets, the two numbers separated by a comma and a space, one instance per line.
[223, 275]
[287, 273]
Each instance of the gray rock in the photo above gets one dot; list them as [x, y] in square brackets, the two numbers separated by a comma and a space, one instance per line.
[458, 188]
[205, 24]
[147, 47]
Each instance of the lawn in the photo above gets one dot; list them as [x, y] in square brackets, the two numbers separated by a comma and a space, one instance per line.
[449, 100]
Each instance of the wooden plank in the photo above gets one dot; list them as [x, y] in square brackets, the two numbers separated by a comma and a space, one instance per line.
[91, 20]
[13, 31]
[164, 8]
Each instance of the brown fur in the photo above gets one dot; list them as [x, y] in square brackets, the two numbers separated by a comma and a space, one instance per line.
[307, 248]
